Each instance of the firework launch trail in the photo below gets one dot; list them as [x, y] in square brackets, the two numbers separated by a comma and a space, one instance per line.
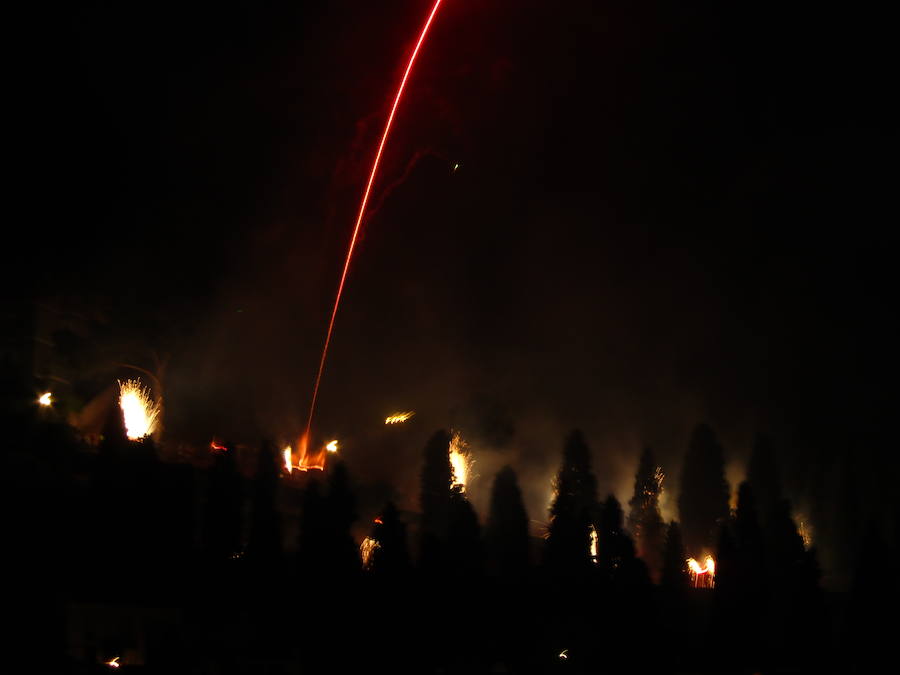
[362, 210]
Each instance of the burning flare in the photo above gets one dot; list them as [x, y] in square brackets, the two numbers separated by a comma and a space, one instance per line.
[286, 453]
[594, 545]
[397, 418]
[113, 663]
[702, 577]
[139, 410]
[460, 461]
[331, 446]
[46, 399]
[311, 460]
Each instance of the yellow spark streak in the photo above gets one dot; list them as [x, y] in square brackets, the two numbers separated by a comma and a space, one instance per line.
[397, 418]
[564, 654]
[332, 446]
[139, 410]
[367, 550]
[594, 544]
[286, 453]
[460, 461]
[113, 663]
[46, 399]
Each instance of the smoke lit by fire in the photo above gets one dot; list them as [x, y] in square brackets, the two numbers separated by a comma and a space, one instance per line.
[139, 410]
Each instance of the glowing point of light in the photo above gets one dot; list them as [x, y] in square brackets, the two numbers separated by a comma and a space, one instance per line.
[139, 410]
[46, 399]
[113, 663]
[564, 654]
[331, 446]
[594, 544]
[286, 453]
[362, 208]
[215, 446]
[397, 418]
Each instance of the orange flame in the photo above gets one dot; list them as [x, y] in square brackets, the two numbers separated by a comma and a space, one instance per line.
[216, 447]
[702, 577]
[310, 460]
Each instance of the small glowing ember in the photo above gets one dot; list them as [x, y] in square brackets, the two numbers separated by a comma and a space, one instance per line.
[331, 446]
[367, 549]
[594, 542]
[113, 663]
[564, 654]
[397, 418]
[460, 461]
[702, 577]
[46, 399]
[140, 411]
[286, 453]
[215, 446]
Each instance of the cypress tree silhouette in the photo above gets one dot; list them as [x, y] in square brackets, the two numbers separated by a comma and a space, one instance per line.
[464, 548]
[312, 547]
[507, 527]
[437, 477]
[391, 558]
[340, 510]
[573, 510]
[703, 501]
[264, 542]
[675, 576]
[222, 523]
[644, 519]
[616, 559]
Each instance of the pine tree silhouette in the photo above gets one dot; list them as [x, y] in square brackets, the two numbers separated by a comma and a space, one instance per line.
[437, 476]
[264, 542]
[644, 519]
[703, 501]
[507, 527]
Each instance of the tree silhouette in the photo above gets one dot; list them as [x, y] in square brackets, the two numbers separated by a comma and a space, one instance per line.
[464, 548]
[264, 542]
[222, 526]
[507, 527]
[644, 519]
[573, 510]
[616, 559]
[675, 576]
[391, 557]
[340, 509]
[703, 501]
[437, 477]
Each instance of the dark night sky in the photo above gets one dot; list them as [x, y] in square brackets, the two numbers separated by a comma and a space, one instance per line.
[663, 214]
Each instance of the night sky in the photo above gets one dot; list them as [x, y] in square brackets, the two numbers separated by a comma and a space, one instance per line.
[663, 214]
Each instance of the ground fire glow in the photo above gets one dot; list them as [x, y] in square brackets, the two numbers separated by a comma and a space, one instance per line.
[140, 411]
[702, 577]
[397, 418]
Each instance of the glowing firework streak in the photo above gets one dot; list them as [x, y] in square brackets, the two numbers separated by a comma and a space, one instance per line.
[398, 418]
[139, 410]
[702, 577]
[286, 453]
[460, 461]
[113, 663]
[367, 550]
[331, 446]
[594, 545]
[46, 399]
[362, 210]
[215, 446]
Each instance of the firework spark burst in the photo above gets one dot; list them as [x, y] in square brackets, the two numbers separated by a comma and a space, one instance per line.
[461, 461]
[367, 551]
[398, 418]
[139, 410]
[702, 577]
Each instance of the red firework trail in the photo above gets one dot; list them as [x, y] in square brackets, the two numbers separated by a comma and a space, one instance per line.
[362, 210]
